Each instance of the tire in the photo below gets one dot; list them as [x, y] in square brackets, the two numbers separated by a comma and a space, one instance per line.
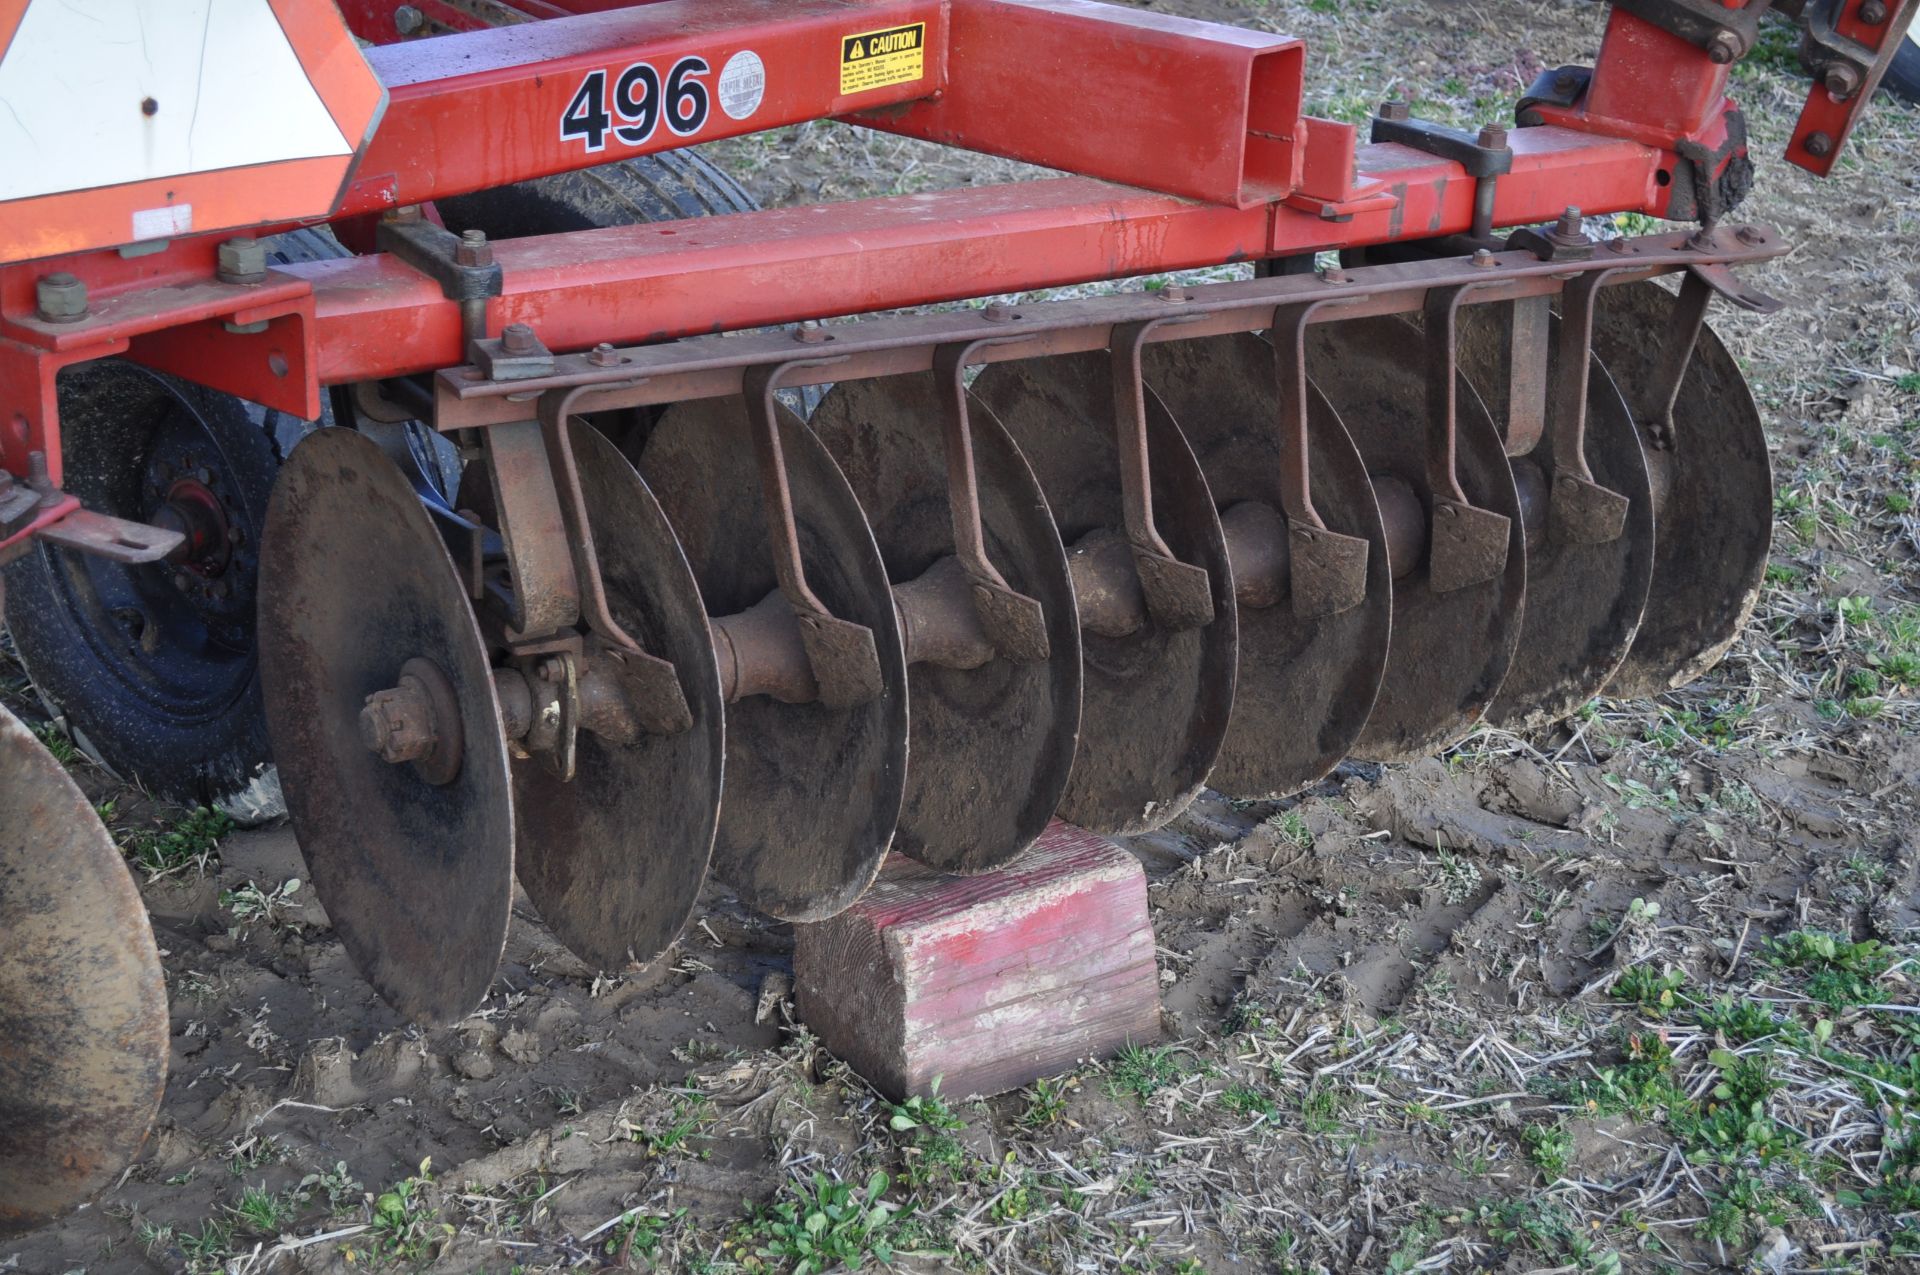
[153, 667]
[1903, 75]
[669, 186]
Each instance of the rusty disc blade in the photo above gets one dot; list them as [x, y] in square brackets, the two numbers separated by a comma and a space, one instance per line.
[813, 793]
[83, 1003]
[614, 859]
[1306, 685]
[1584, 601]
[416, 877]
[990, 747]
[1713, 494]
[1156, 702]
[1451, 649]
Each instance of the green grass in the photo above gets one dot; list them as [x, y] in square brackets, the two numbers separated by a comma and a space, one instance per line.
[1837, 973]
[1144, 1072]
[190, 841]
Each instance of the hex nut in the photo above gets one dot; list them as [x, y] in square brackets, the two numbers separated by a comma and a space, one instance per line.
[1724, 47]
[473, 249]
[517, 338]
[242, 260]
[61, 298]
[1395, 109]
[1819, 145]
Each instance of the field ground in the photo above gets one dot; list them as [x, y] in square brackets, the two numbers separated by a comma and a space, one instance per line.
[1632, 994]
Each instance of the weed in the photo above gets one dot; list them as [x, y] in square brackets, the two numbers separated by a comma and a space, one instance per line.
[1459, 878]
[189, 842]
[251, 905]
[1839, 974]
[1046, 1103]
[1655, 993]
[1550, 1147]
[1245, 1100]
[1144, 1072]
[826, 1224]
[261, 1212]
[336, 1184]
[57, 742]
[681, 1124]
[1290, 829]
[928, 1112]
[405, 1222]
[638, 1234]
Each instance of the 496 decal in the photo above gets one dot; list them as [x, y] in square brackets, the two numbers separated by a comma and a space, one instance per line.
[639, 103]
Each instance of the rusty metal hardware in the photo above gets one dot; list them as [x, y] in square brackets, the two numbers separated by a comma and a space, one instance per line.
[1327, 571]
[1579, 510]
[1725, 32]
[840, 654]
[545, 586]
[1178, 594]
[1467, 545]
[1697, 291]
[416, 720]
[115, 539]
[658, 699]
[1012, 622]
[515, 355]
[1485, 155]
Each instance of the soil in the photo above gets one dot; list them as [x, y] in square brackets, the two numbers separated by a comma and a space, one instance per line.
[1372, 993]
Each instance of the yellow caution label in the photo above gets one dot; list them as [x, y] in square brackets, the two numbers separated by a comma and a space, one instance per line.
[875, 59]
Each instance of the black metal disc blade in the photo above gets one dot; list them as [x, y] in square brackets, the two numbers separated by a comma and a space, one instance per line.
[1713, 494]
[416, 877]
[1584, 601]
[1156, 702]
[813, 793]
[614, 859]
[1306, 685]
[1450, 649]
[990, 747]
[83, 1003]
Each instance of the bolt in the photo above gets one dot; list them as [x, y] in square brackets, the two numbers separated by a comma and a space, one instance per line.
[1570, 221]
[1819, 145]
[1842, 81]
[1395, 109]
[182, 581]
[398, 723]
[1724, 47]
[62, 298]
[1565, 82]
[517, 338]
[1483, 259]
[149, 106]
[407, 19]
[1749, 235]
[1173, 292]
[1333, 274]
[552, 670]
[603, 355]
[473, 249]
[811, 333]
[1493, 138]
[1873, 12]
[1569, 231]
[242, 260]
[1000, 312]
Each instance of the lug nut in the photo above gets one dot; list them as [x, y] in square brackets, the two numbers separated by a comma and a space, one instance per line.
[517, 338]
[1395, 109]
[603, 355]
[1819, 145]
[473, 249]
[1493, 138]
[398, 723]
[242, 260]
[61, 298]
[1724, 47]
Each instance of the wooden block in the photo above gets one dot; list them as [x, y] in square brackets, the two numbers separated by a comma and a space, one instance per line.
[986, 982]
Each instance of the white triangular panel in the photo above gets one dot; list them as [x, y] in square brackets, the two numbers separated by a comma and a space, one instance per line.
[226, 88]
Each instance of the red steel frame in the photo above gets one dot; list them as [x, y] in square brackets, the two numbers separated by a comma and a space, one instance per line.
[1201, 156]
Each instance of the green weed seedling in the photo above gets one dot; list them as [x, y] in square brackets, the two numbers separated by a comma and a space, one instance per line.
[828, 1224]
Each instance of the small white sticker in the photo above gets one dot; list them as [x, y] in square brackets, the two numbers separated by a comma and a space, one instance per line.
[163, 223]
[743, 82]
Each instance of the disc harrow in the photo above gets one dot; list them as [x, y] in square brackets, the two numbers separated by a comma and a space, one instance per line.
[558, 593]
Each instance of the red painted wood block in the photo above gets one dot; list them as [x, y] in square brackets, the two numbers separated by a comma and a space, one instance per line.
[989, 982]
